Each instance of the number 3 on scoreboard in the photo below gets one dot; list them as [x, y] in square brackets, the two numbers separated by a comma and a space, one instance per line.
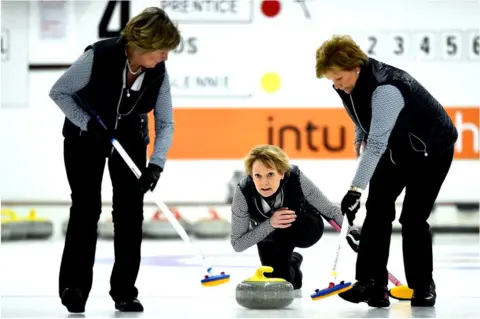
[425, 46]
[399, 45]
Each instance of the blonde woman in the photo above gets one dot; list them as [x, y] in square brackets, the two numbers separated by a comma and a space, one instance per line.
[121, 79]
[409, 145]
[276, 207]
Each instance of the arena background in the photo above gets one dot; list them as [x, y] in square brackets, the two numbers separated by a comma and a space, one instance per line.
[243, 75]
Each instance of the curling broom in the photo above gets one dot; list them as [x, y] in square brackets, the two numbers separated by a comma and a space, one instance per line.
[400, 291]
[210, 279]
[334, 289]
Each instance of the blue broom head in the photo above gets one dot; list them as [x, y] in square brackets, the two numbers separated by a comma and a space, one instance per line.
[331, 290]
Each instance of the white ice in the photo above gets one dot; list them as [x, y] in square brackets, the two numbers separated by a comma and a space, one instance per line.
[169, 281]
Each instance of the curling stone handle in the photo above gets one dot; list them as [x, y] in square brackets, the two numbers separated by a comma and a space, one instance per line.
[7, 212]
[32, 214]
[261, 270]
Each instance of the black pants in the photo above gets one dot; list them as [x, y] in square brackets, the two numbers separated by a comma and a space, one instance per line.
[422, 181]
[277, 250]
[85, 159]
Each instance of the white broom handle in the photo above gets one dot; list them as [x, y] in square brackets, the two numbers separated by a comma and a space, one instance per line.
[165, 210]
[344, 230]
[343, 235]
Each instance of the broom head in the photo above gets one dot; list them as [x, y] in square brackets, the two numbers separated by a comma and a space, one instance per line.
[401, 293]
[331, 290]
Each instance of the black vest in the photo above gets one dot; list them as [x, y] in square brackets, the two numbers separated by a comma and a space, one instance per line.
[105, 94]
[423, 127]
[290, 189]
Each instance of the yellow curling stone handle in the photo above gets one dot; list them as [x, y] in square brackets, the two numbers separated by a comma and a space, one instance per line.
[259, 277]
[9, 215]
[32, 216]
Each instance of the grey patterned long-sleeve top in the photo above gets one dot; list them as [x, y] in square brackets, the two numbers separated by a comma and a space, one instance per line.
[78, 76]
[387, 102]
[242, 236]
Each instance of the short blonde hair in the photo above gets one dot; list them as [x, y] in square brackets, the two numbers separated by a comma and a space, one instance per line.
[339, 53]
[270, 155]
[152, 30]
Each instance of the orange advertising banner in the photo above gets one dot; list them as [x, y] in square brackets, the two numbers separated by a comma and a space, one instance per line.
[304, 133]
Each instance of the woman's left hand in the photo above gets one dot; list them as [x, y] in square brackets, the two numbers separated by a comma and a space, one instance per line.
[350, 205]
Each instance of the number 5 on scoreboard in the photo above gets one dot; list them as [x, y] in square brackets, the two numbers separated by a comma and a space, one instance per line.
[425, 46]
[474, 45]
[452, 46]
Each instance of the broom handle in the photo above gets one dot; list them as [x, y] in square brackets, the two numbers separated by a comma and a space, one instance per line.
[343, 236]
[165, 210]
[131, 164]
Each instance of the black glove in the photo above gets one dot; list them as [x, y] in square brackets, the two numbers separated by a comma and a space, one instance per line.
[353, 239]
[350, 205]
[149, 178]
[96, 129]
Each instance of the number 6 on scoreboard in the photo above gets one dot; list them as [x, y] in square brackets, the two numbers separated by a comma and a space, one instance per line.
[474, 45]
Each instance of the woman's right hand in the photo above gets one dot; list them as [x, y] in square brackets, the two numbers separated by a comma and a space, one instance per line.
[282, 218]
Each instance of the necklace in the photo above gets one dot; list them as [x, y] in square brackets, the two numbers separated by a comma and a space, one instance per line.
[129, 68]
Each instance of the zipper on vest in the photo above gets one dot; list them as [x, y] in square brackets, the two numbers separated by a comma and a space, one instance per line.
[117, 117]
[356, 115]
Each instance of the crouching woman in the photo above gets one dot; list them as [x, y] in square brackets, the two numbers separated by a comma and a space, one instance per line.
[276, 207]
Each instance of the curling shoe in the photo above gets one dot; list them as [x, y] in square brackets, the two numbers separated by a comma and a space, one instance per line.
[73, 300]
[424, 297]
[133, 305]
[296, 261]
[367, 291]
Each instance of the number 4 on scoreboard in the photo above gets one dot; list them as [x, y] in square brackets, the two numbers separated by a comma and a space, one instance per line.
[425, 46]
[103, 26]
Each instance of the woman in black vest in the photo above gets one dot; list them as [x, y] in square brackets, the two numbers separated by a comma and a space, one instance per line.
[277, 207]
[409, 140]
[121, 80]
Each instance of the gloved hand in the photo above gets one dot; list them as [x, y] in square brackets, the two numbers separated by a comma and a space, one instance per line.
[353, 238]
[98, 130]
[350, 205]
[150, 177]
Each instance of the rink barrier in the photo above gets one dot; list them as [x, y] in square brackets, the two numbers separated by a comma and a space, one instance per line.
[212, 220]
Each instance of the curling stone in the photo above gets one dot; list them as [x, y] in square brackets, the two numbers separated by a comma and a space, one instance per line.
[38, 227]
[6, 230]
[18, 228]
[259, 292]
[106, 229]
[160, 227]
[212, 226]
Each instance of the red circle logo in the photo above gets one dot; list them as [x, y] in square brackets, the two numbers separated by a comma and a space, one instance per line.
[271, 8]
